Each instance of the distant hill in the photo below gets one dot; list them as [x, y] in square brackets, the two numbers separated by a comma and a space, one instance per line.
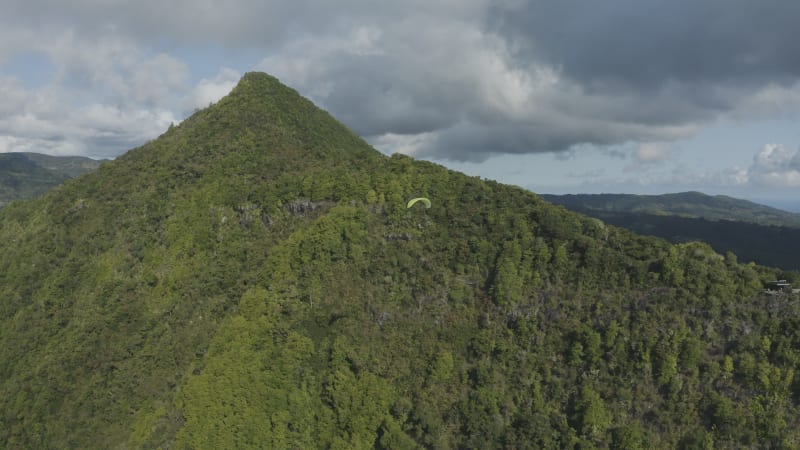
[253, 278]
[71, 166]
[753, 232]
[684, 204]
[26, 175]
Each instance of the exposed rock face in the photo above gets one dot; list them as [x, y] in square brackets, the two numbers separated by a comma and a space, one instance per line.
[301, 207]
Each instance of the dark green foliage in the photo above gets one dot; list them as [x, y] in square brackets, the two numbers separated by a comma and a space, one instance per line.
[769, 245]
[253, 279]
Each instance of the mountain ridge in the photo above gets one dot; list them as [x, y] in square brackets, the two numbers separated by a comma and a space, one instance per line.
[25, 175]
[691, 204]
[753, 232]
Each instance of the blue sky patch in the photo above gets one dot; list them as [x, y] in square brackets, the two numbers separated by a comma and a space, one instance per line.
[34, 69]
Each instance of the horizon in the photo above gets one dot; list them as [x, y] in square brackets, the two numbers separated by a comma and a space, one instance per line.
[784, 204]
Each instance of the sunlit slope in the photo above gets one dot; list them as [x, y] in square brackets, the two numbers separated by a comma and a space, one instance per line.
[253, 278]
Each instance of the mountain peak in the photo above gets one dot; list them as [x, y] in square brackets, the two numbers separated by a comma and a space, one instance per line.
[256, 89]
[262, 81]
[259, 77]
[261, 129]
[262, 112]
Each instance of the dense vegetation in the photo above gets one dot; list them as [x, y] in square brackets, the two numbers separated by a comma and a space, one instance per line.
[753, 232]
[253, 279]
[26, 175]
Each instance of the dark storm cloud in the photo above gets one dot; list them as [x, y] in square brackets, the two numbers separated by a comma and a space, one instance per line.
[637, 70]
[644, 44]
[475, 141]
[548, 76]
[373, 99]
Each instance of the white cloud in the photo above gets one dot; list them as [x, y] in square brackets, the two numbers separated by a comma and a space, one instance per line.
[458, 88]
[770, 100]
[648, 156]
[652, 152]
[775, 166]
[154, 79]
[401, 143]
[210, 91]
[15, 97]
[108, 95]
[714, 178]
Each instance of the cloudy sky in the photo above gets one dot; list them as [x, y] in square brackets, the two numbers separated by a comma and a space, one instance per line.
[558, 96]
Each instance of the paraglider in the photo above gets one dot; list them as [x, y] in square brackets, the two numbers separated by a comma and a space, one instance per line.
[419, 199]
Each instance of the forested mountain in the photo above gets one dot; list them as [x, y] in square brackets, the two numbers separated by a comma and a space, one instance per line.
[753, 232]
[26, 175]
[253, 279]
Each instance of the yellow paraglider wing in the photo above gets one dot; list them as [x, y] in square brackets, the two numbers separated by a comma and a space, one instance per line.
[419, 199]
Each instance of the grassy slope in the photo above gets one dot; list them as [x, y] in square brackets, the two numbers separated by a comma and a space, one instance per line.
[253, 278]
